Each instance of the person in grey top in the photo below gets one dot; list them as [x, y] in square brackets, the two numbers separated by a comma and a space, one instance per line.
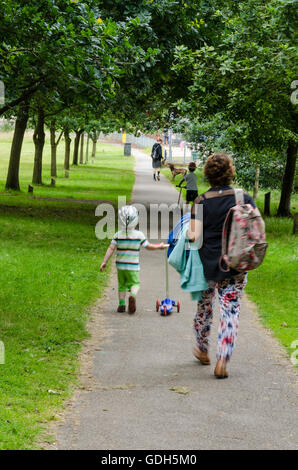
[191, 183]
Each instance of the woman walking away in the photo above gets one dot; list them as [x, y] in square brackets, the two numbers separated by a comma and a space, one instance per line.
[219, 172]
[156, 155]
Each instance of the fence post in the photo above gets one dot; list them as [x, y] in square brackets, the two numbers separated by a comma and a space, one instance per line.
[295, 226]
[170, 146]
[267, 204]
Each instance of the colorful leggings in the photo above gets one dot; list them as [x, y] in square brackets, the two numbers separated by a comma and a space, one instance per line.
[229, 295]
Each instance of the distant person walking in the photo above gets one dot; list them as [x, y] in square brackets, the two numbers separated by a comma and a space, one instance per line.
[156, 155]
[166, 135]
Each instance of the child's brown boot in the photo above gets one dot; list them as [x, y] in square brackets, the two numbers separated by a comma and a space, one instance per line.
[132, 304]
[121, 309]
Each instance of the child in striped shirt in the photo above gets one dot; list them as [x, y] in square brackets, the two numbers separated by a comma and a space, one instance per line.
[127, 244]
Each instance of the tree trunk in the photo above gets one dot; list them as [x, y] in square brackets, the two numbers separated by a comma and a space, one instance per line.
[288, 180]
[87, 150]
[257, 180]
[67, 148]
[295, 225]
[53, 148]
[76, 147]
[94, 149]
[82, 150]
[12, 181]
[39, 140]
[54, 145]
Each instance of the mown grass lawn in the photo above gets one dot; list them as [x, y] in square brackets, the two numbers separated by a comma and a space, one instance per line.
[49, 278]
[98, 181]
[273, 286]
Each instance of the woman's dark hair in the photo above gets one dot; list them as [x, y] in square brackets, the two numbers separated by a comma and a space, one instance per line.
[219, 169]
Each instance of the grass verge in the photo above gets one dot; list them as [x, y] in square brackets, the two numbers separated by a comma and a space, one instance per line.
[49, 278]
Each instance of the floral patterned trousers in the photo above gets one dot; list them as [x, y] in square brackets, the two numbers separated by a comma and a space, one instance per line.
[229, 295]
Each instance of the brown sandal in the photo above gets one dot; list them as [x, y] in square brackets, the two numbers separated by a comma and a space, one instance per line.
[202, 356]
[220, 371]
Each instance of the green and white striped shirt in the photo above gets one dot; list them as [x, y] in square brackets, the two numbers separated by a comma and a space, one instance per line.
[128, 248]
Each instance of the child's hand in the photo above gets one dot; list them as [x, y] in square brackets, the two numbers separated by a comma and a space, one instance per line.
[163, 246]
[103, 266]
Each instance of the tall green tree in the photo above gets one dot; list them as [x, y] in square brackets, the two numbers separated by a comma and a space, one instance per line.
[12, 181]
[245, 72]
[59, 50]
[54, 45]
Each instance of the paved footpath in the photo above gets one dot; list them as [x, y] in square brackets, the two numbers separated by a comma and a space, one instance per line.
[135, 361]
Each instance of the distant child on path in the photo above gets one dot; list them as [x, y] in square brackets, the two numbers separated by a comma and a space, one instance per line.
[127, 243]
[191, 183]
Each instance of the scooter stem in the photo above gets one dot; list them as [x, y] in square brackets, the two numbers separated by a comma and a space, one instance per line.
[167, 276]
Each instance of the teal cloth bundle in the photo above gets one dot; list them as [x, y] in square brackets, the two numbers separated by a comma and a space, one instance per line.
[190, 268]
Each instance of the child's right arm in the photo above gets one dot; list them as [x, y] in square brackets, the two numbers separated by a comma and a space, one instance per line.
[157, 246]
[183, 179]
[109, 253]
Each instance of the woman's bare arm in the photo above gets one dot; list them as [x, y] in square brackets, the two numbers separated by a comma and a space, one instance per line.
[195, 229]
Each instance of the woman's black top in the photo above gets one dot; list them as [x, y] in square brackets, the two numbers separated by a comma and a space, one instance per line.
[214, 214]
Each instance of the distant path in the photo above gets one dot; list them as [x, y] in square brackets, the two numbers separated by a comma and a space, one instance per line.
[133, 362]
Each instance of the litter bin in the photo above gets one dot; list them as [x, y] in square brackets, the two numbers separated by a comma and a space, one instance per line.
[127, 149]
[194, 155]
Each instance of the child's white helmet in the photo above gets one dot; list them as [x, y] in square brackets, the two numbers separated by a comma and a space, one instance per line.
[128, 217]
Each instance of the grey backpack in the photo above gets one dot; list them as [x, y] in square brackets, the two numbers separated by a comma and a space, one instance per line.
[155, 155]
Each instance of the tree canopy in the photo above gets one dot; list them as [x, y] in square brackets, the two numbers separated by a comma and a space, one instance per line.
[213, 64]
[244, 73]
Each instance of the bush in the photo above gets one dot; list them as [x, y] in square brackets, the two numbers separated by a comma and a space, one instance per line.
[271, 171]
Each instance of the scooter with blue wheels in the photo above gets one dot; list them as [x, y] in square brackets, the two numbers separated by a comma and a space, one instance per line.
[167, 305]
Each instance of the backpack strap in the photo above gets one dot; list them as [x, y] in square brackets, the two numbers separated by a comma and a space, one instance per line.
[237, 192]
[212, 194]
[224, 242]
[239, 196]
[220, 193]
